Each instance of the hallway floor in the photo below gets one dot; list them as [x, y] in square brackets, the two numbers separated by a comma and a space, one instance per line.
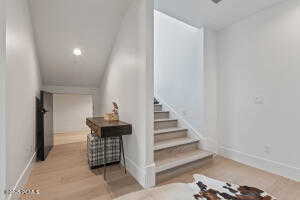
[65, 175]
[70, 137]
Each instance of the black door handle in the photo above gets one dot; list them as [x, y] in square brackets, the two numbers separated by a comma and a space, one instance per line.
[44, 111]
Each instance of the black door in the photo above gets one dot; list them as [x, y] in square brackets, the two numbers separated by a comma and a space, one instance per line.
[44, 125]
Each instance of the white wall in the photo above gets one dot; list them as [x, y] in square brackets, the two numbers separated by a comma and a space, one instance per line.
[22, 86]
[2, 101]
[70, 112]
[128, 80]
[259, 59]
[76, 90]
[210, 127]
[178, 67]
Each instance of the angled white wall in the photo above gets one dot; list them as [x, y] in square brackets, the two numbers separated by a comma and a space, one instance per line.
[128, 80]
[186, 75]
[259, 90]
[22, 86]
[2, 101]
[178, 67]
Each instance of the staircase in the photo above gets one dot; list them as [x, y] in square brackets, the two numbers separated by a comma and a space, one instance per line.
[174, 151]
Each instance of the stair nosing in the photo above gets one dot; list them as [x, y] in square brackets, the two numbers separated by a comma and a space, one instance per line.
[162, 111]
[164, 120]
[174, 144]
[169, 130]
[180, 162]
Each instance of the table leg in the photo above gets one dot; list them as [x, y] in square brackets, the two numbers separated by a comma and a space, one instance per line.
[122, 146]
[105, 158]
[120, 151]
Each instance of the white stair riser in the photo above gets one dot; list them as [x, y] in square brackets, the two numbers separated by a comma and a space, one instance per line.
[161, 115]
[170, 135]
[177, 171]
[173, 151]
[165, 124]
[157, 107]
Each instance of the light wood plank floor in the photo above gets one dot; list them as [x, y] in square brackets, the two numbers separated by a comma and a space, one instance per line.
[65, 175]
[70, 137]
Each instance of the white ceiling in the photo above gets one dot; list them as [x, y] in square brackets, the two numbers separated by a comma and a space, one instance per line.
[61, 25]
[206, 13]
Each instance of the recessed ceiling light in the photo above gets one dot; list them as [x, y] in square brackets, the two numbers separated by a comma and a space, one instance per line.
[77, 52]
[216, 1]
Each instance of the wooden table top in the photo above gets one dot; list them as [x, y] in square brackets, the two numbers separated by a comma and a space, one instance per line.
[104, 128]
[99, 121]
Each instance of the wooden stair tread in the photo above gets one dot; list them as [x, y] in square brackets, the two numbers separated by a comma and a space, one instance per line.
[169, 130]
[172, 147]
[173, 142]
[181, 159]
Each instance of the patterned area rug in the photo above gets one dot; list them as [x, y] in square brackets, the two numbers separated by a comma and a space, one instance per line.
[205, 188]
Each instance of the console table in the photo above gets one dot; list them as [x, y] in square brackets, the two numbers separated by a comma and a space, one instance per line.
[106, 129]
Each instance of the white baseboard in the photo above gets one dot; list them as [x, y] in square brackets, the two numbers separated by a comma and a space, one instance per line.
[261, 163]
[23, 178]
[144, 175]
